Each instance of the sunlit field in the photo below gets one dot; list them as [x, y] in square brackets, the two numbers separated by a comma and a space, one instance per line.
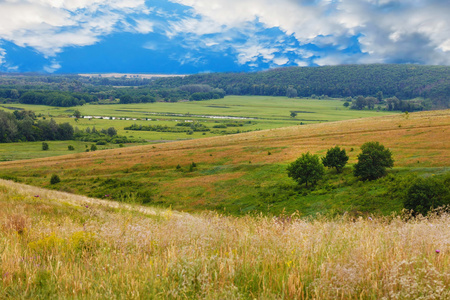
[57, 245]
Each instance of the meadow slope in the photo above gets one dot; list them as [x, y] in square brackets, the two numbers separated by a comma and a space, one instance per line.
[57, 245]
[232, 171]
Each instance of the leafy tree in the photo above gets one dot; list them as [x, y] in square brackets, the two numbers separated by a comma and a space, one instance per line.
[44, 146]
[306, 169]
[126, 99]
[14, 94]
[293, 114]
[380, 96]
[346, 104]
[112, 131]
[370, 102]
[93, 147]
[291, 92]
[360, 102]
[77, 114]
[373, 161]
[426, 194]
[335, 158]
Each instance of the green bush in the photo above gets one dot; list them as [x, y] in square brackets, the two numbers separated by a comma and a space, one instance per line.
[425, 194]
[373, 161]
[93, 147]
[54, 179]
[71, 148]
[45, 146]
[306, 169]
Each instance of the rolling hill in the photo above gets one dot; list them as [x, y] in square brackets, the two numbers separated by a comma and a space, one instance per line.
[246, 173]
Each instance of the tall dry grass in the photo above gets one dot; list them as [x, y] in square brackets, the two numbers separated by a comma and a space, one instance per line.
[64, 246]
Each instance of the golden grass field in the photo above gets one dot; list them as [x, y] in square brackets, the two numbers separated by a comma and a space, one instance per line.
[56, 245]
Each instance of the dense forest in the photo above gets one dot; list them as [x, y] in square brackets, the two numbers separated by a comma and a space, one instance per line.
[401, 81]
[395, 82]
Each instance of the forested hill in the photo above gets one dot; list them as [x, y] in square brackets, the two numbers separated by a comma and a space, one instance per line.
[402, 81]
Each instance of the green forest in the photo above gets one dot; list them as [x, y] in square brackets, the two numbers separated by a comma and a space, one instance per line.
[425, 87]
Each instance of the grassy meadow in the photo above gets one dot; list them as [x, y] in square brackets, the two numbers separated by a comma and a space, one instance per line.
[59, 245]
[246, 173]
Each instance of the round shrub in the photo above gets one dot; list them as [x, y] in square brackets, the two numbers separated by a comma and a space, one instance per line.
[54, 179]
[426, 194]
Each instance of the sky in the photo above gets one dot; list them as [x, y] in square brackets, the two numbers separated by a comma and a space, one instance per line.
[200, 36]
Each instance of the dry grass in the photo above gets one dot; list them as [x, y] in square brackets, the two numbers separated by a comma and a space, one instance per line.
[77, 247]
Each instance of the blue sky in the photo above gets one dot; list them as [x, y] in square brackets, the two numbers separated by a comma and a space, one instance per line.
[195, 36]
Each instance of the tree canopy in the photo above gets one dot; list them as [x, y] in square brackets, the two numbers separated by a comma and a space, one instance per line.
[306, 169]
[373, 161]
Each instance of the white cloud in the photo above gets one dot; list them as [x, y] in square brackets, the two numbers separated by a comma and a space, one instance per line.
[2, 55]
[415, 31]
[54, 66]
[281, 60]
[301, 63]
[50, 25]
[253, 50]
[144, 26]
[386, 26]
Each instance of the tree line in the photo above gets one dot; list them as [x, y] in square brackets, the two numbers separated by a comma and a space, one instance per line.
[22, 126]
[401, 81]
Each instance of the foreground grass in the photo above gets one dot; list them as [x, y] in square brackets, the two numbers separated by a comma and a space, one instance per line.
[57, 245]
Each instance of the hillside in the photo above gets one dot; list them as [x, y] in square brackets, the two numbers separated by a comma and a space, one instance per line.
[246, 173]
[402, 81]
[57, 245]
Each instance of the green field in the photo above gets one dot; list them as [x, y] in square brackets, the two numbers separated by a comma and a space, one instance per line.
[256, 113]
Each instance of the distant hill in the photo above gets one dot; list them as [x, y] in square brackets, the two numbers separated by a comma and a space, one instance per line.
[402, 81]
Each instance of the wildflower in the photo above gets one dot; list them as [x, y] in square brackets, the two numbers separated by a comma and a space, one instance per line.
[370, 218]
[86, 206]
[438, 251]
[36, 196]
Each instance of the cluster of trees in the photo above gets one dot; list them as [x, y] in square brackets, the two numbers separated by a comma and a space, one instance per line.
[373, 161]
[101, 137]
[420, 195]
[193, 92]
[56, 98]
[390, 104]
[179, 127]
[23, 126]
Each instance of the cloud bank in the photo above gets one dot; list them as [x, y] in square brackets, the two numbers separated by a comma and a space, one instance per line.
[255, 34]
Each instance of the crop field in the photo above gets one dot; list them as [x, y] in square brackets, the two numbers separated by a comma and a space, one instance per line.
[246, 173]
[248, 113]
[59, 245]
